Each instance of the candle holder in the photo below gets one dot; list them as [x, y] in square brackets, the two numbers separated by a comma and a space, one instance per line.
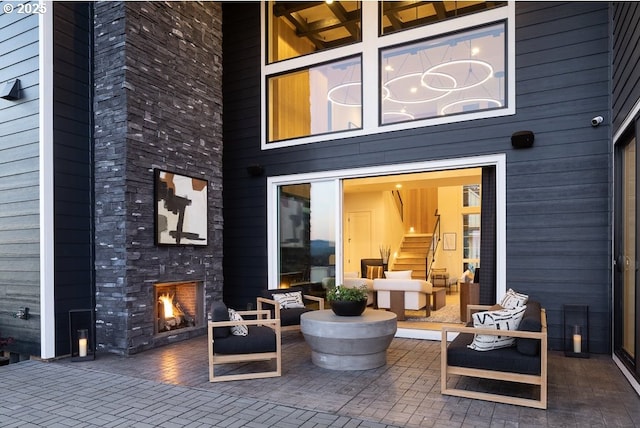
[81, 334]
[576, 331]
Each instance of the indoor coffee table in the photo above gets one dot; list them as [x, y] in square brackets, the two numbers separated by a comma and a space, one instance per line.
[348, 343]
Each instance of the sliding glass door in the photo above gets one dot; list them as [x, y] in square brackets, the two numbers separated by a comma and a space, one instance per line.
[306, 233]
[627, 300]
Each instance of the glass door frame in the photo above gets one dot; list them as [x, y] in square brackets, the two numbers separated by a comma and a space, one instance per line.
[630, 365]
[274, 182]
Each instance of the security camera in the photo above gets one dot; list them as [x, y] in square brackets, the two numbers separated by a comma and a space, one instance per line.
[596, 121]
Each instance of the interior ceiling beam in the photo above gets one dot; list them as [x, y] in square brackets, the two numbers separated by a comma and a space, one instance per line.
[349, 20]
[349, 23]
[286, 8]
[302, 30]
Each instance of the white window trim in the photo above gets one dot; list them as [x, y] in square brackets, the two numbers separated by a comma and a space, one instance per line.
[498, 160]
[47, 302]
[369, 48]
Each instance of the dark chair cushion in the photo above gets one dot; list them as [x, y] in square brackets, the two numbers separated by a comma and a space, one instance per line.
[291, 316]
[531, 321]
[219, 312]
[503, 359]
[259, 339]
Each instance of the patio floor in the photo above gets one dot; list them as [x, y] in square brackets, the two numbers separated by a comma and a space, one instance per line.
[169, 387]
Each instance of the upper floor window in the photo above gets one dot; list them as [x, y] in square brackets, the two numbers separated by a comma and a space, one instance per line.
[298, 28]
[340, 69]
[457, 73]
[315, 100]
[471, 195]
[401, 15]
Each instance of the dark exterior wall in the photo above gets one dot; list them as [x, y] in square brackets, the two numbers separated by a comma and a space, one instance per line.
[558, 192]
[73, 164]
[158, 104]
[19, 184]
[626, 60]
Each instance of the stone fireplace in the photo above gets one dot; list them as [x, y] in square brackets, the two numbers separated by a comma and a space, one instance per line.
[179, 305]
[139, 128]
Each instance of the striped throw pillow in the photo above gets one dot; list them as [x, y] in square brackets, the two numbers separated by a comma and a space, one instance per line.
[374, 272]
[513, 300]
[503, 319]
[289, 300]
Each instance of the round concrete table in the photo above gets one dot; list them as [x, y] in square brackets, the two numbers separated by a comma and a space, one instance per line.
[348, 343]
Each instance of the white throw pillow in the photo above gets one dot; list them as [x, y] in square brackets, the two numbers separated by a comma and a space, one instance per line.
[398, 274]
[513, 300]
[503, 319]
[289, 300]
[237, 330]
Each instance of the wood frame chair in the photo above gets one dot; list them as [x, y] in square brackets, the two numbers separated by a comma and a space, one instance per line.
[539, 379]
[218, 358]
[261, 301]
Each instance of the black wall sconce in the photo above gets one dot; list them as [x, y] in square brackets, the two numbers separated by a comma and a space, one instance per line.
[11, 90]
[255, 170]
[522, 139]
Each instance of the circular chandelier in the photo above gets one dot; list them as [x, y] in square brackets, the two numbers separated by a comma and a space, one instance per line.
[455, 87]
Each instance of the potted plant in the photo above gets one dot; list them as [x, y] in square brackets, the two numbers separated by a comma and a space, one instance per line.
[346, 301]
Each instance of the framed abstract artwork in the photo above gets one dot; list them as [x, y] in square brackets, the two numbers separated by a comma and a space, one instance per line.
[180, 209]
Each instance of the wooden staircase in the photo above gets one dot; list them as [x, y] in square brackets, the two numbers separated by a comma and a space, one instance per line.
[412, 254]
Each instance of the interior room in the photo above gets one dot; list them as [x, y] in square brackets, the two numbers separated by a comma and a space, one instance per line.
[401, 215]
[425, 225]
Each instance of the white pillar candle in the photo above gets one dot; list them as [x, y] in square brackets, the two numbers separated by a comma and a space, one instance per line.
[82, 346]
[577, 343]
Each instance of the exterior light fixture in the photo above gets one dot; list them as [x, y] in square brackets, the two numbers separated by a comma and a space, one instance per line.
[11, 90]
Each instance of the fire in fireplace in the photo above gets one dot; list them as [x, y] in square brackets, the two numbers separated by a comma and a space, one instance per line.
[171, 315]
[178, 306]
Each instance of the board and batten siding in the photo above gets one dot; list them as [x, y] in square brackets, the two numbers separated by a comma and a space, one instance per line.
[73, 164]
[558, 191]
[19, 184]
[626, 61]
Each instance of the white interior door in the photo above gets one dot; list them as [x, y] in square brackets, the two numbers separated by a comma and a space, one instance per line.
[357, 240]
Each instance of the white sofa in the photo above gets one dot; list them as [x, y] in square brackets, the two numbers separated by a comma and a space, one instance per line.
[352, 280]
[417, 294]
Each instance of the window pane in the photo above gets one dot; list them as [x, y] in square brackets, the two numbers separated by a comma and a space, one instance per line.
[307, 233]
[471, 236]
[459, 73]
[471, 195]
[400, 15]
[299, 28]
[321, 99]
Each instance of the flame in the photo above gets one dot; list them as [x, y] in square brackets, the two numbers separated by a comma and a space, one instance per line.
[167, 302]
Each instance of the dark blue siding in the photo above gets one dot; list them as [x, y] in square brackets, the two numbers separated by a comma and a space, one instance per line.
[558, 192]
[73, 179]
[626, 60]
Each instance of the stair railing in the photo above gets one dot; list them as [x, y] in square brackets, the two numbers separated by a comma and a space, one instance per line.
[431, 254]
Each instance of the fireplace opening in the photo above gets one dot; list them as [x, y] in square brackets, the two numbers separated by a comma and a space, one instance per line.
[179, 305]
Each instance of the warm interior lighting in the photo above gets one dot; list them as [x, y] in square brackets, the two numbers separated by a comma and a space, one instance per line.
[398, 186]
[167, 303]
[475, 51]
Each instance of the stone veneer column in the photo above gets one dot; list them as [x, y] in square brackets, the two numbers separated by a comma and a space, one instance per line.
[158, 104]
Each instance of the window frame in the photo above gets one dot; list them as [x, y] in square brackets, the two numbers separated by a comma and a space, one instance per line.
[369, 48]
